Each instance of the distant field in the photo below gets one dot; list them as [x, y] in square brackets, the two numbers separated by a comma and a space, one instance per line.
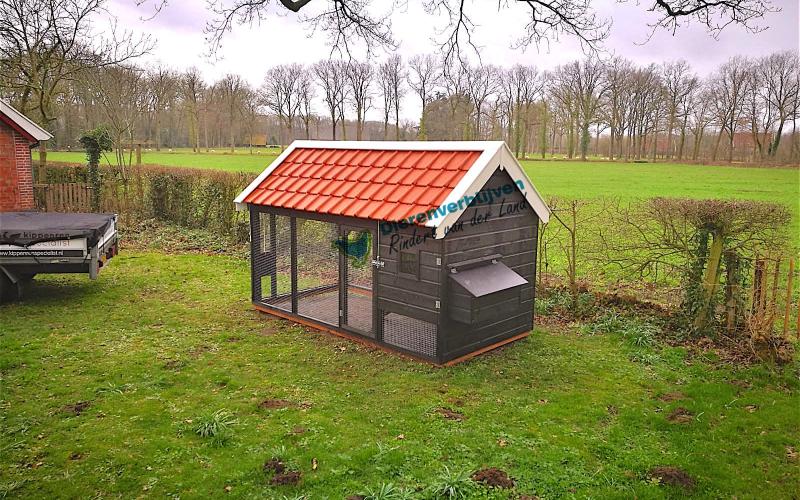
[561, 178]
[240, 161]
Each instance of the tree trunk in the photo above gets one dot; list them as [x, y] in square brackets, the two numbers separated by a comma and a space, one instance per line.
[43, 162]
[710, 282]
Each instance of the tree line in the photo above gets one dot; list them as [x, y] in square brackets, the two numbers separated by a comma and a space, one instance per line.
[745, 110]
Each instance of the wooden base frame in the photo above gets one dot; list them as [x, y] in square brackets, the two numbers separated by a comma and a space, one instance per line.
[368, 342]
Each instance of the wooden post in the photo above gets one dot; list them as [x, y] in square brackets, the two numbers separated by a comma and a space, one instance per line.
[773, 306]
[788, 298]
[139, 154]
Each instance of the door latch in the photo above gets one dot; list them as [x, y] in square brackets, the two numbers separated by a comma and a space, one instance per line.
[378, 263]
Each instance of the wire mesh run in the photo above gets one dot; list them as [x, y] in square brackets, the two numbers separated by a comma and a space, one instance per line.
[411, 334]
[317, 271]
[358, 281]
[272, 259]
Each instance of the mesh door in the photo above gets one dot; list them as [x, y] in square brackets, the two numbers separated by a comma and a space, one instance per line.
[411, 334]
[317, 271]
[358, 281]
[272, 260]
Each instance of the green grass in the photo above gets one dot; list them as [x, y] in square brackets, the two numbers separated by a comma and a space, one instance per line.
[160, 344]
[563, 178]
[221, 159]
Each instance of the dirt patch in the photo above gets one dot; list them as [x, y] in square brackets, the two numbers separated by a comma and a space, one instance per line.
[680, 415]
[274, 465]
[671, 396]
[299, 430]
[76, 408]
[450, 414]
[276, 404]
[455, 401]
[493, 477]
[233, 339]
[75, 455]
[612, 410]
[741, 384]
[290, 478]
[672, 476]
[174, 364]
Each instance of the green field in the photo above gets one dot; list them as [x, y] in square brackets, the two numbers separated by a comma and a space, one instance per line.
[104, 383]
[576, 179]
[563, 178]
[240, 161]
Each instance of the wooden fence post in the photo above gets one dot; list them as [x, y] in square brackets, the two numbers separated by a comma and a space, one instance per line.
[773, 306]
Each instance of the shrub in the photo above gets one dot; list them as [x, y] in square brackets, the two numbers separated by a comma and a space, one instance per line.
[453, 484]
[216, 426]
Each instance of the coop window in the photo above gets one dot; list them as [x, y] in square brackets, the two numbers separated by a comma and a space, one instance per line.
[409, 263]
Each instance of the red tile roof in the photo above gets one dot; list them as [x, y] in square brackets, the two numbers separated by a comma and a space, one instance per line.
[373, 184]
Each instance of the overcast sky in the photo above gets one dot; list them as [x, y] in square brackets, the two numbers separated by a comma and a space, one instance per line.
[250, 51]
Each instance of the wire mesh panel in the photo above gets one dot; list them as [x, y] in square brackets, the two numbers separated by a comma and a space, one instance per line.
[272, 259]
[317, 271]
[411, 334]
[358, 281]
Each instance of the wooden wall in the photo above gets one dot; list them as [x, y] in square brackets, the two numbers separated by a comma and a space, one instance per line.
[513, 236]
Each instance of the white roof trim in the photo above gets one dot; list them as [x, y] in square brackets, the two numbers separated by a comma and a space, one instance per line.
[495, 154]
[24, 122]
[239, 201]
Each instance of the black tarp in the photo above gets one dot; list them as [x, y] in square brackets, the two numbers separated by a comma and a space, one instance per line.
[488, 278]
[27, 228]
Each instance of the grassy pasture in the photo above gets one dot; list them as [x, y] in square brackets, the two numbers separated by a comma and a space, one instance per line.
[561, 178]
[104, 382]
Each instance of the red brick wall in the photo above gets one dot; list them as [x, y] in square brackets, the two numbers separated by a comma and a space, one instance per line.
[16, 174]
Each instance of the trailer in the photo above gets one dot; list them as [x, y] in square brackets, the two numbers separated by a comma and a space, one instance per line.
[34, 243]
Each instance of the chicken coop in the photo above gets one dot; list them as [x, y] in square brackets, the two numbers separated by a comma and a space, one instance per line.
[425, 248]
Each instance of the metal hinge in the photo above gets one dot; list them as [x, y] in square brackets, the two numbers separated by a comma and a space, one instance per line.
[378, 263]
[438, 305]
[341, 313]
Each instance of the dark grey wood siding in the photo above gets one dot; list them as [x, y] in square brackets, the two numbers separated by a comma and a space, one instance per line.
[511, 234]
[411, 296]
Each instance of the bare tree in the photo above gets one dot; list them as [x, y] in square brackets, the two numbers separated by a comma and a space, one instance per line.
[46, 43]
[540, 20]
[618, 77]
[729, 85]
[232, 90]
[306, 96]
[282, 94]
[423, 78]
[387, 93]
[521, 85]
[191, 88]
[780, 75]
[120, 91]
[677, 85]
[162, 85]
[359, 76]
[332, 79]
[482, 83]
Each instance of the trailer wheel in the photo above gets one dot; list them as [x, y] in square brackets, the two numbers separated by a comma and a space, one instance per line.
[9, 291]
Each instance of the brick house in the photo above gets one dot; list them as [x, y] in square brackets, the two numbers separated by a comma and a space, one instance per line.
[18, 134]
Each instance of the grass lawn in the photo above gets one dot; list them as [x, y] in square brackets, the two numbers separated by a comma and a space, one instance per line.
[221, 159]
[103, 383]
[561, 178]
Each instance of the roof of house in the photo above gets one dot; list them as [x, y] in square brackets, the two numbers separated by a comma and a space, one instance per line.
[385, 181]
[22, 123]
